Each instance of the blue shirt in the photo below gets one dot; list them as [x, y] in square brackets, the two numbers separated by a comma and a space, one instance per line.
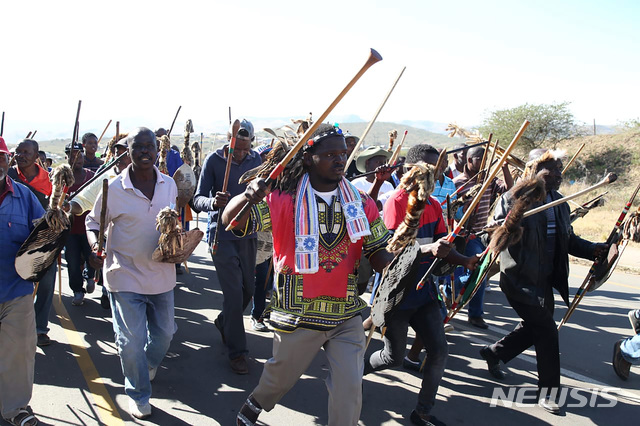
[17, 212]
[440, 193]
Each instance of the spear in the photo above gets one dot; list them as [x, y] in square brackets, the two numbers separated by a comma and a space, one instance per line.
[476, 200]
[373, 120]
[74, 138]
[373, 58]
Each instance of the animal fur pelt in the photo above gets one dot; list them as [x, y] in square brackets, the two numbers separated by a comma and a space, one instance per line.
[165, 147]
[530, 168]
[631, 227]
[56, 218]
[470, 138]
[291, 133]
[525, 194]
[278, 152]
[168, 223]
[186, 155]
[418, 182]
[393, 135]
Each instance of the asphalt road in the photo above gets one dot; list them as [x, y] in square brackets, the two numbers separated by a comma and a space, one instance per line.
[79, 382]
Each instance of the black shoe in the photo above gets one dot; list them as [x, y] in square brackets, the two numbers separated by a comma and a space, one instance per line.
[218, 325]
[478, 322]
[416, 419]
[620, 365]
[409, 364]
[104, 301]
[493, 363]
[43, 340]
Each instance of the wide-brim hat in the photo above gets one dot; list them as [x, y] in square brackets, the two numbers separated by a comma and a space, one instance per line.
[349, 135]
[370, 152]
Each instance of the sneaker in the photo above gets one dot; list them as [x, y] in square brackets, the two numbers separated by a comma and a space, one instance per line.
[78, 298]
[91, 285]
[409, 364]
[550, 405]
[478, 322]
[493, 363]
[259, 325]
[152, 373]
[43, 340]
[139, 411]
[634, 319]
[448, 328]
[620, 365]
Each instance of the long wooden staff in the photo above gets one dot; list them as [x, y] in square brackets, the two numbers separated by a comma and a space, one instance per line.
[2, 125]
[396, 152]
[225, 183]
[573, 158]
[33, 135]
[60, 277]
[470, 210]
[74, 138]
[592, 271]
[373, 58]
[484, 158]
[174, 122]
[103, 132]
[103, 220]
[97, 175]
[373, 120]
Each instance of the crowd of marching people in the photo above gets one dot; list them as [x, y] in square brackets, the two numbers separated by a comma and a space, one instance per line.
[310, 241]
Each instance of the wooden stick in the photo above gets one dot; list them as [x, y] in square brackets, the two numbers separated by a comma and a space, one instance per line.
[35, 288]
[2, 125]
[97, 175]
[442, 158]
[34, 134]
[373, 120]
[103, 220]
[396, 152]
[103, 132]
[610, 178]
[484, 158]
[470, 210]
[74, 138]
[370, 336]
[229, 116]
[225, 182]
[373, 58]
[373, 172]
[493, 155]
[28, 135]
[60, 276]
[174, 122]
[573, 158]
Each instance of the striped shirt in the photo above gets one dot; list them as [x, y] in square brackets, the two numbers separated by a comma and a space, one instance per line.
[480, 217]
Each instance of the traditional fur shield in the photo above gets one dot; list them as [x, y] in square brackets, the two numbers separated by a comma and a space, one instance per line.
[39, 251]
[189, 242]
[186, 182]
[444, 269]
[396, 282]
[605, 269]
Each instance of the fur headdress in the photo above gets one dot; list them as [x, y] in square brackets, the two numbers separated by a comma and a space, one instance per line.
[539, 156]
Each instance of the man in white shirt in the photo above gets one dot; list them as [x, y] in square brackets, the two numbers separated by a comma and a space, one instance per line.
[140, 290]
[376, 185]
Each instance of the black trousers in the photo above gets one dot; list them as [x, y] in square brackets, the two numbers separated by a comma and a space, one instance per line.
[537, 329]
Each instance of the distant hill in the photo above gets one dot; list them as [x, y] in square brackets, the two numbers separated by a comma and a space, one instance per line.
[379, 134]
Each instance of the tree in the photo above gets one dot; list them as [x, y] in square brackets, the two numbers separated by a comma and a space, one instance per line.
[549, 125]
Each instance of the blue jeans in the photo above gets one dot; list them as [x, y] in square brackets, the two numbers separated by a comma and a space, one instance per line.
[143, 326]
[630, 349]
[462, 275]
[76, 253]
[44, 298]
[263, 284]
[427, 322]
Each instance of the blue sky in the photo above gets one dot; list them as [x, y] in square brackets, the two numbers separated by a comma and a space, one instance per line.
[137, 61]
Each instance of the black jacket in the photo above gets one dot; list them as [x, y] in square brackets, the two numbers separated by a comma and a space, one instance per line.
[525, 271]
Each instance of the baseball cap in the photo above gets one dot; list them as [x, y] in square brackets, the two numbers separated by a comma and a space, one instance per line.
[76, 147]
[3, 146]
[124, 142]
[262, 149]
[246, 129]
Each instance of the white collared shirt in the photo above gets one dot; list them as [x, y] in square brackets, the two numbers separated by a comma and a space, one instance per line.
[132, 236]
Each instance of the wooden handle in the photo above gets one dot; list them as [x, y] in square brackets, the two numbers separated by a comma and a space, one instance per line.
[573, 158]
[373, 120]
[103, 219]
[373, 58]
[174, 121]
[396, 153]
[103, 132]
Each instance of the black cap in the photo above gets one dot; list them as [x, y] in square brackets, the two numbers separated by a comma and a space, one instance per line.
[76, 147]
